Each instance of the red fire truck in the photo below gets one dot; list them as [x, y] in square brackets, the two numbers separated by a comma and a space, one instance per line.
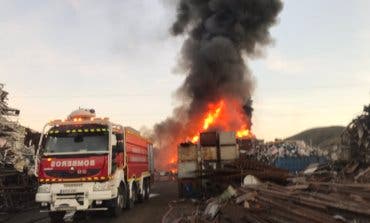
[85, 163]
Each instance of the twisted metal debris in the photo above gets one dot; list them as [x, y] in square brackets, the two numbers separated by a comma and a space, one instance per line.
[267, 202]
[357, 137]
[17, 148]
[13, 151]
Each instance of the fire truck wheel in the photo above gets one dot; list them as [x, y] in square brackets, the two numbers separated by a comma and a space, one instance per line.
[118, 203]
[140, 196]
[131, 201]
[145, 192]
[57, 217]
[146, 189]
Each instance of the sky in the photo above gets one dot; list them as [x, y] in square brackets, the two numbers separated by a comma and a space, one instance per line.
[119, 58]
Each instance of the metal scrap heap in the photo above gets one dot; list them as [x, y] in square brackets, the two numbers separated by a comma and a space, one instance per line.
[357, 137]
[307, 202]
[17, 147]
[266, 202]
[14, 154]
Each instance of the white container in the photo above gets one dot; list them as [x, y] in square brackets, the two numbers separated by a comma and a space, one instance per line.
[187, 169]
[229, 152]
[227, 138]
[188, 153]
[208, 153]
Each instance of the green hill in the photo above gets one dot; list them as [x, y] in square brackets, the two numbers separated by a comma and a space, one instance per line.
[321, 136]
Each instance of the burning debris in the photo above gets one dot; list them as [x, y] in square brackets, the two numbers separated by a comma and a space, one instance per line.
[216, 94]
[208, 167]
[320, 190]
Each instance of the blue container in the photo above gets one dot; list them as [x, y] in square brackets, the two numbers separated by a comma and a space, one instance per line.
[297, 164]
[189, 188]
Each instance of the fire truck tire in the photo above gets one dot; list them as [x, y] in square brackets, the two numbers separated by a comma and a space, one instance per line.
[145, 192]
[57, 217]
[140, 196]
[131, 201]
[118, 203]
[146, 189]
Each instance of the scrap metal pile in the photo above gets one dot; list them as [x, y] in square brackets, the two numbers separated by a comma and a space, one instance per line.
[300, 200]
[13, 151]
[215, 181]
[307, 202]
[357, 137]
[281, 148]
[17, 148]
[270, 152]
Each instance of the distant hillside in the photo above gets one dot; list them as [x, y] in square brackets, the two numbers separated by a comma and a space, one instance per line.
[320, 136]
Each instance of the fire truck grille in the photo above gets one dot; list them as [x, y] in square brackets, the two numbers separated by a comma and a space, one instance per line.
[70, 174]
[79, 197]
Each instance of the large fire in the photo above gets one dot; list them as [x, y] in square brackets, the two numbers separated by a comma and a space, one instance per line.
[225, 115]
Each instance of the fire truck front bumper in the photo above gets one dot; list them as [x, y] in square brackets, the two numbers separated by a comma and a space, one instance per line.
[75, 196]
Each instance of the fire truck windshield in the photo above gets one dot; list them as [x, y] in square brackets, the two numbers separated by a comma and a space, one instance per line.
[76, 140]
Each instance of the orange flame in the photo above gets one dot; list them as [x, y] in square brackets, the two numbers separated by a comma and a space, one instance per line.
[172, 164]
[222, 114]
[226, 114]
[213, 115]
[244, 132]
[195, 138]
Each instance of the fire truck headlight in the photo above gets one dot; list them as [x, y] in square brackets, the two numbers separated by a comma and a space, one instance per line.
[45, 188]
[101, 186]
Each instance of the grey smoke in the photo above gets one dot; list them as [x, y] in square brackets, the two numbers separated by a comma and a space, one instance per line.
[220, 35]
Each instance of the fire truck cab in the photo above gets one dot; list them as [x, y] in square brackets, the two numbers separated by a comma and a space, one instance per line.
[86, 163]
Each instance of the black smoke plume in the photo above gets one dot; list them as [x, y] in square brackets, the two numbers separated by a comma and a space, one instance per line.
[220, 36]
